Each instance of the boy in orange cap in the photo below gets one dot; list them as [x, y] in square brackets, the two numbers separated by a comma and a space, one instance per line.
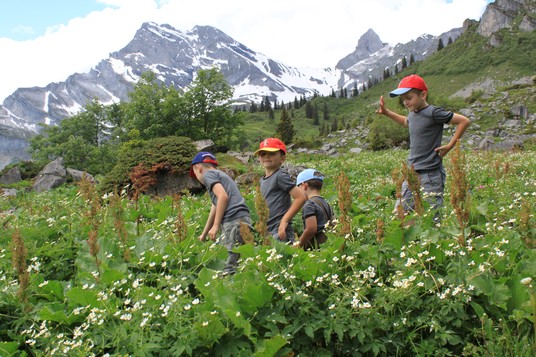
[283, 198]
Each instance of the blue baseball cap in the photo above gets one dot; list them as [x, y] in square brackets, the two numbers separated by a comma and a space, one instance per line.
[200, 157]
[308, 174]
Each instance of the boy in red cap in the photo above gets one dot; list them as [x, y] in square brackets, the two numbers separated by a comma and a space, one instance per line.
[425, 123]
[228, 211]
[283, 199]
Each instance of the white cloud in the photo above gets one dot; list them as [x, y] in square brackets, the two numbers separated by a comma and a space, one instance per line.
[300, 33]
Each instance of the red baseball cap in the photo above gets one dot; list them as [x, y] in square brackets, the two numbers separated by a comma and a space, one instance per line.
[271, 144]
[408, 83]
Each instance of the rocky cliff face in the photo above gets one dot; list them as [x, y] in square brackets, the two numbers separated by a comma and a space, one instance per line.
[502, 13]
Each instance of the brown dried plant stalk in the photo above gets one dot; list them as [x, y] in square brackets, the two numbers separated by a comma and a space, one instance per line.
[181, 228]
[459, 190]
[262, 215]
[414, 184]
[380, 231]
[89, 193]
[246, 234]
[18, 260]
[345, 203]
[119, 224]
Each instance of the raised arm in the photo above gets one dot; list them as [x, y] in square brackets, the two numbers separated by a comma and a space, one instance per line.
[397, 118]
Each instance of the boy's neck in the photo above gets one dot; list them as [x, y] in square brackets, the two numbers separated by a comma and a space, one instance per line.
[271, 171]
[312, 193]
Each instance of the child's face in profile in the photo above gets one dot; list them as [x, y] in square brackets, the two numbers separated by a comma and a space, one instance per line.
[271, 159]
[414, 100]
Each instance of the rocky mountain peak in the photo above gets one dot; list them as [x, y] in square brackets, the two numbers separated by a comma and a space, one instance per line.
[502, 13]
[367, 44]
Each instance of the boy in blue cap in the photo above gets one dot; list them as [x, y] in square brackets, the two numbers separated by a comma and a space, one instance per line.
[426, 152]
[316, 212]
[228, 211]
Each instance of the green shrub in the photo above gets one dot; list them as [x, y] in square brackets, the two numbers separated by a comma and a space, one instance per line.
[174, 151]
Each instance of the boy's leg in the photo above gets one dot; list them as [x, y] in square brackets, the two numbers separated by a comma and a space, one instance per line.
[433, 186]
[406, 200]
[232, 239]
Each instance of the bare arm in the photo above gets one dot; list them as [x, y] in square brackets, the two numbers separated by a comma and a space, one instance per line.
[221, 206]
[462, 123]
[397, 118]
[298, 200]
[311, 226]
[208, 224]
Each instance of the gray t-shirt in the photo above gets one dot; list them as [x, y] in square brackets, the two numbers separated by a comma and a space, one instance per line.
[425, 135]
[236, 207]
[275, 190]
[313, 208]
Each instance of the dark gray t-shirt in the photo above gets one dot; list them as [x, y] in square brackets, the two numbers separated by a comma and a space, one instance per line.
[313, 208]
[425, 135]
[275, 190]
[236, 207]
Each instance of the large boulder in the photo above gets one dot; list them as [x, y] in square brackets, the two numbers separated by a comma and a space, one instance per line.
[53, 175]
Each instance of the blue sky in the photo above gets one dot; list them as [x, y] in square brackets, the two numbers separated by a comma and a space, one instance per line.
[27, 19]
[44, 41]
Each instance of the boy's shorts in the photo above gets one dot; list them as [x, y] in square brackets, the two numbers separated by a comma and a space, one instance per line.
[231, 239]
[289, 232]
[432, 186]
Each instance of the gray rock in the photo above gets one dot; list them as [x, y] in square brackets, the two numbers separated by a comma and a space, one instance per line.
[8, 192]
[78, 175]
[12, 176]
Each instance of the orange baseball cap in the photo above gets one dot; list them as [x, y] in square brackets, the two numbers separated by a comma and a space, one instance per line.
[271, 144]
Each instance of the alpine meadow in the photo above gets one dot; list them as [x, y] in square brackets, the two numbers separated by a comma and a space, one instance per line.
[105, 267]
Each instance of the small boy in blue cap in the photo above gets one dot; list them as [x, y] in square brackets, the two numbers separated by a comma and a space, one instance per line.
[228, 211]
[316, 212]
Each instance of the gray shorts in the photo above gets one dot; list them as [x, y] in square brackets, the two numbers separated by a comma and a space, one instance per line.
[289, 232]
[432, 186]
[230, 239]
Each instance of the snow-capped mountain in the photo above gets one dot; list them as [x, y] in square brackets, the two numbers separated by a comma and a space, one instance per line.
[176, 57]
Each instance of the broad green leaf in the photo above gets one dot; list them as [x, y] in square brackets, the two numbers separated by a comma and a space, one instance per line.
[269, 348]
[83, 297]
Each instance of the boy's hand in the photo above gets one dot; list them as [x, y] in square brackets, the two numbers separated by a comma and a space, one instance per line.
[381, 109]
[201, 238]
[213, 231]
[443, 150]
[282, 231]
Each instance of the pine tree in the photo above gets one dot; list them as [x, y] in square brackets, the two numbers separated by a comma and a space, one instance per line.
[326, 111]
[296, 103]
[355, 92]
[285, 129]
[449, 41]
[440, 45]
[411, 59]
[271, 114]
[404, 62]
[308, 110]
[334, 125]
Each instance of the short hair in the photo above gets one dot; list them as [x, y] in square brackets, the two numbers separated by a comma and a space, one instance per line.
[315, 184]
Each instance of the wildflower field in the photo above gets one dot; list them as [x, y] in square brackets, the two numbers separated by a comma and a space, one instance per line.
[82, 274]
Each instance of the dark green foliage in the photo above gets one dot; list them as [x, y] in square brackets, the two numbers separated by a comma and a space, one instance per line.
[174, 152]
[285, 129]
[384, 134]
